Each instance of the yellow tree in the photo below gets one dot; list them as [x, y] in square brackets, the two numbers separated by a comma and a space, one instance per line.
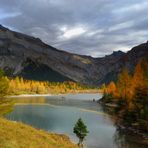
[111, 88]
[4, 86]
[12, 86]
[138, 77]
[104, 88]
[124, 84]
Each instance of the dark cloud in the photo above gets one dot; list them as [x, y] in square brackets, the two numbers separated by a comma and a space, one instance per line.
[85, 27]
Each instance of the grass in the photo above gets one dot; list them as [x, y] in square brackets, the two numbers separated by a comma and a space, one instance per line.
[18, 135]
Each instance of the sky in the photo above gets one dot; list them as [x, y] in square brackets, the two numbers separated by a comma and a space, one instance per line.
[87, 27]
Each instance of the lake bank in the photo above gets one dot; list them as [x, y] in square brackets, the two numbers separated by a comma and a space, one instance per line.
[29, 94]
[59, 115]
[15, 135]
[123, 126]
[52, 94]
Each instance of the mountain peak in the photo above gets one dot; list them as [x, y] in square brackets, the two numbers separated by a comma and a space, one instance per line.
[114, 54]
[118, 53]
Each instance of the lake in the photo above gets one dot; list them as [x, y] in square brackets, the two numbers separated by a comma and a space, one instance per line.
[59, 114]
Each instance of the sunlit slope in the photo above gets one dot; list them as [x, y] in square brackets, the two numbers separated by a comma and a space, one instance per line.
[16, 135]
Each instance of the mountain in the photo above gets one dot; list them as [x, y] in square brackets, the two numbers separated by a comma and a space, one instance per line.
[113, 64]
[29, 57]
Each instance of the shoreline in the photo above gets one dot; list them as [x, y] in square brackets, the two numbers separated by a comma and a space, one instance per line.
[44, 95]
[33, 95]
[127, 129]
[142, 136]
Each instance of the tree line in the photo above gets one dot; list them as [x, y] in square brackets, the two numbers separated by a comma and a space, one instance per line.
[130, 95]
[18, 85]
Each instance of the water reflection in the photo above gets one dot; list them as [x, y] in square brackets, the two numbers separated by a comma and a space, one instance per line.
[123, 139]
[30, 100]
[6, 105]
[78, 101]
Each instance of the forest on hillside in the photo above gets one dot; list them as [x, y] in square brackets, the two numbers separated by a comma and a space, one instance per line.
[18, 85]
[129, 96]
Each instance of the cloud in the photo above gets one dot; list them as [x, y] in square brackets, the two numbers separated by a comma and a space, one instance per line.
[73, 32]
[122, 26]
[87, 27]
[133, 8]
[4, 15]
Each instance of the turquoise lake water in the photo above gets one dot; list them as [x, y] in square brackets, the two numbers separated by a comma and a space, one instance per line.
[59, 114]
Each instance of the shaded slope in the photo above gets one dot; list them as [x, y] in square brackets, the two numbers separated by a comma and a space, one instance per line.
[40, 72]
[16, 48]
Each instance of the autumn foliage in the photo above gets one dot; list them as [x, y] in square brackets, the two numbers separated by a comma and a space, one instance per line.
[130, 93]
[21, 86]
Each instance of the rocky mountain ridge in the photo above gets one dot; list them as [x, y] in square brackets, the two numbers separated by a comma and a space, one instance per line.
[16, 49]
